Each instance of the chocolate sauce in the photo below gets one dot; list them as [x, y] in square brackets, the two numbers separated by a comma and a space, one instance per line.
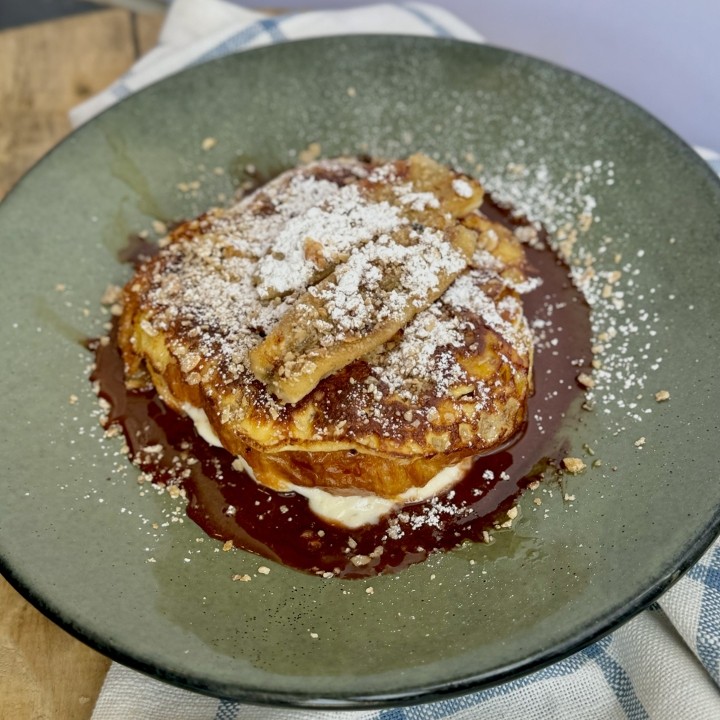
[137, 250]
[228, 505]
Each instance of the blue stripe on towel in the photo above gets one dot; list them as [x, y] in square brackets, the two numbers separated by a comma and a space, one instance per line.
[272, 27]
[438, 29]
[708, 631]
[120, 90]
[226, 710]
[617, 678]
[614, 674]
[236, 42]
[715, 165]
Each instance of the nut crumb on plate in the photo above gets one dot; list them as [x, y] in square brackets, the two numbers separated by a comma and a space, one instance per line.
[573, 465]
[310, 153]
[112, 295]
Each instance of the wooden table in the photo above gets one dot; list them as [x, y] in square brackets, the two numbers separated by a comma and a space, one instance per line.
[45, 69]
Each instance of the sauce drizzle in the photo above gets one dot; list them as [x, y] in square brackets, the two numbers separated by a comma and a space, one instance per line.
[228, 505]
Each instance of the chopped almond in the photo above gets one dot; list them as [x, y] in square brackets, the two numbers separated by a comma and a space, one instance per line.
[574, 465]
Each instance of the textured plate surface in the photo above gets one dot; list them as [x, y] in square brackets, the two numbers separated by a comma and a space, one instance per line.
[76, 535]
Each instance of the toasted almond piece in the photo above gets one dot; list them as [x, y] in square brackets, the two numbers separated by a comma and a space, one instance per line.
[573, 465]
[310, 153]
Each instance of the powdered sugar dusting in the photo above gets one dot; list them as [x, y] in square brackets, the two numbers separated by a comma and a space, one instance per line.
[254, 223]
[417, 200]
[321, 237]
[466, 293]
[566, 205]
[425, 352]
[462, 188]
[357, 300]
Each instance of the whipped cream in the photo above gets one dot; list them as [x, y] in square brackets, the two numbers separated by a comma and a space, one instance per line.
[350, 511]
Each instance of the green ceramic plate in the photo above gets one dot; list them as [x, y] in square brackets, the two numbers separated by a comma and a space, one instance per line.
[76, 535]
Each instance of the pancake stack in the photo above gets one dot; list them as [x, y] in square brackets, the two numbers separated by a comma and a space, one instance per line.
[355, 326]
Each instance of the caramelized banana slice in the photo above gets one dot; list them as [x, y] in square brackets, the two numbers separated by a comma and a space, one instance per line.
[358, 307]
[391, 196]
[458, 195]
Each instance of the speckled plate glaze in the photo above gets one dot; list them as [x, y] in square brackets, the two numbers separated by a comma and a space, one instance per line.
[76, 536]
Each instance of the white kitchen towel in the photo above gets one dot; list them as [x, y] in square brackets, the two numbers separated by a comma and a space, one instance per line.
[199, 30]
[665, 663]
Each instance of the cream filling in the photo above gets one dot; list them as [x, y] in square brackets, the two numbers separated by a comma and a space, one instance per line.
[350, 511]
[202, 424]
[353, 511]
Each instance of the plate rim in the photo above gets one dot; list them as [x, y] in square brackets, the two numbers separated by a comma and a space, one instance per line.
[424, 692]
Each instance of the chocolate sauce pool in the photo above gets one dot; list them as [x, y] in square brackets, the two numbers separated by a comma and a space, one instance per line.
[229, 505]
